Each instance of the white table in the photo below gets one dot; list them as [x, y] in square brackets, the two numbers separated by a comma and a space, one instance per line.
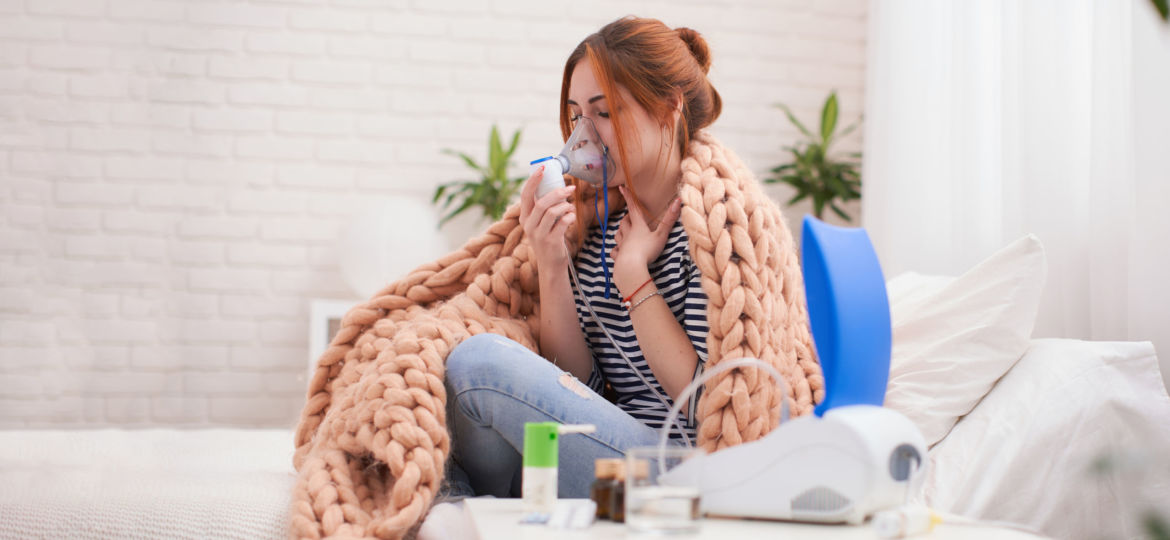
[499, 519]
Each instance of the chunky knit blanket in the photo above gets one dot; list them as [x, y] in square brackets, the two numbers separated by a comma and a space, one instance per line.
[372, 440]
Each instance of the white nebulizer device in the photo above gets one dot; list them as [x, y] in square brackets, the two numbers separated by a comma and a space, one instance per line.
[553, 176]
[584, 156]
[852, 458]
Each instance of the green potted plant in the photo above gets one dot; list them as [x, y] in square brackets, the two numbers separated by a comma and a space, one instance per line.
[1163, 8]
[813, 172]
[492, 191]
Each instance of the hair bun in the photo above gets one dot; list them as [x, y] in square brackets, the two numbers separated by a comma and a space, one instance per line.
[697, 45]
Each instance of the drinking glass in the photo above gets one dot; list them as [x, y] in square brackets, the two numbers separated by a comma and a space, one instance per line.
[662, 489]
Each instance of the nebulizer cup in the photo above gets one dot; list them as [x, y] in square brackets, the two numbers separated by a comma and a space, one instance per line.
[655, 502]
[584, 156]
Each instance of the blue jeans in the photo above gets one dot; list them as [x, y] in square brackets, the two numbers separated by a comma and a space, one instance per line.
[494, 386]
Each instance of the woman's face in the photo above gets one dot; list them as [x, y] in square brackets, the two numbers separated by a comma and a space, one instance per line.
[643, 136]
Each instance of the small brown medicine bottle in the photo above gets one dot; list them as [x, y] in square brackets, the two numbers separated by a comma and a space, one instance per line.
[602, 489]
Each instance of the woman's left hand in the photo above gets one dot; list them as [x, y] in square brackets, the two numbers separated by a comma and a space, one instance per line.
[638, 244]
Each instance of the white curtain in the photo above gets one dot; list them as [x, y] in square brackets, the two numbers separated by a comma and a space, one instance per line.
[986, 120]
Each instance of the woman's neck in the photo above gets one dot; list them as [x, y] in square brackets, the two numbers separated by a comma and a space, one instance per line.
[660, 193]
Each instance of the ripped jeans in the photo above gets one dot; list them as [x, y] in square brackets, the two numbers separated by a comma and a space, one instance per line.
[494, 386]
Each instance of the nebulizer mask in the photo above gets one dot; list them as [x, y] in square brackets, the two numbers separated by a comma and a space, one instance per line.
[584, 156]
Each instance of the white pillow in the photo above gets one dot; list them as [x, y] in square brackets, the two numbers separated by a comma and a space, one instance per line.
[954, 337]
[1024, 454]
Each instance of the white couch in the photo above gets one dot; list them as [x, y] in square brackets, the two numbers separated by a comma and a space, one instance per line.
[1013, 422]
[152, 483]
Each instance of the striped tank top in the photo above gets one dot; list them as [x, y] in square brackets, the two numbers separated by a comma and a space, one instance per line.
[677, 277]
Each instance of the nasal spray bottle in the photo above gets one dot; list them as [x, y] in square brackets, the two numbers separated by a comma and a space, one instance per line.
[540, 465]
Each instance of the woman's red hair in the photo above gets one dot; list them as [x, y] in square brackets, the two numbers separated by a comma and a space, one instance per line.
[658, 66]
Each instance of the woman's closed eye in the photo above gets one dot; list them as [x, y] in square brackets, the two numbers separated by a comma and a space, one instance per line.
[579, 116]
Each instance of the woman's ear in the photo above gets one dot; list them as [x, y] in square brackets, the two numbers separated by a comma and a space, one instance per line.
[675, 116]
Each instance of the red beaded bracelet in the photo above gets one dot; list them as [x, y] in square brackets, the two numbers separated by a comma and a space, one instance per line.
[626, 300]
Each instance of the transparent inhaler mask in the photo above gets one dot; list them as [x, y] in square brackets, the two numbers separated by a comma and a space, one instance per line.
[584, 156]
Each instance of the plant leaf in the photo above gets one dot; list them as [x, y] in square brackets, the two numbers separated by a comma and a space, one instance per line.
[466, 204]
[795, 122]
[456, 193]
[796, 181]
[840, 212]
[1163, 8]
[819, 204]
[849, 129]
[470, 161]
[829, 118]
[496, 160]
[514, 186]
[515, 142]
[836, 186]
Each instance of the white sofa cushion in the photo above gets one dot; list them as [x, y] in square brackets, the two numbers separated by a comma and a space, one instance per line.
[954, 337]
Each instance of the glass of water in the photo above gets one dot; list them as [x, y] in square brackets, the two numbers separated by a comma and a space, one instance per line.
[662, 489]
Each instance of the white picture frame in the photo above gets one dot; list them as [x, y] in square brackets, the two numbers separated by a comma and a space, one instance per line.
[324, 321]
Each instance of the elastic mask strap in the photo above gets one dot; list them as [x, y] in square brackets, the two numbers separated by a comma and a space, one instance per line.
[604, 222]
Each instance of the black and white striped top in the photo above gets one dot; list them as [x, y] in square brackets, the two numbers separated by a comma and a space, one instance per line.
[677, 277]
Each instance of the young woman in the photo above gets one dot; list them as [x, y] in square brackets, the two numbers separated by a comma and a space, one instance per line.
[643, 87]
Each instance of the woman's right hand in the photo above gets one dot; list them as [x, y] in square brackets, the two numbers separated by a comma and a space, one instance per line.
[546, 221]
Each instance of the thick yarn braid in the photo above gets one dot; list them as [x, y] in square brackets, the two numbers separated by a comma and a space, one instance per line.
[755, 295]
[372, 439]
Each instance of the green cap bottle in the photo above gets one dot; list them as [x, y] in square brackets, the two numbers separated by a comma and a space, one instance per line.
[540, 444]
[539, 483]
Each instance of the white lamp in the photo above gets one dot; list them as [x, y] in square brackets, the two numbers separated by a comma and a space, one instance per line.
[386, 239]
[389, 238]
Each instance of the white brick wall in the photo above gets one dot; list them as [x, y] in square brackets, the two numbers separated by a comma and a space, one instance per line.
[174, 175]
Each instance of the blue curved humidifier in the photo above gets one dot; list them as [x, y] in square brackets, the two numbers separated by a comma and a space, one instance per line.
[848, 311]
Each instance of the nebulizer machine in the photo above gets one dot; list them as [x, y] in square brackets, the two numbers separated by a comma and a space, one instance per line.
[851, 459]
